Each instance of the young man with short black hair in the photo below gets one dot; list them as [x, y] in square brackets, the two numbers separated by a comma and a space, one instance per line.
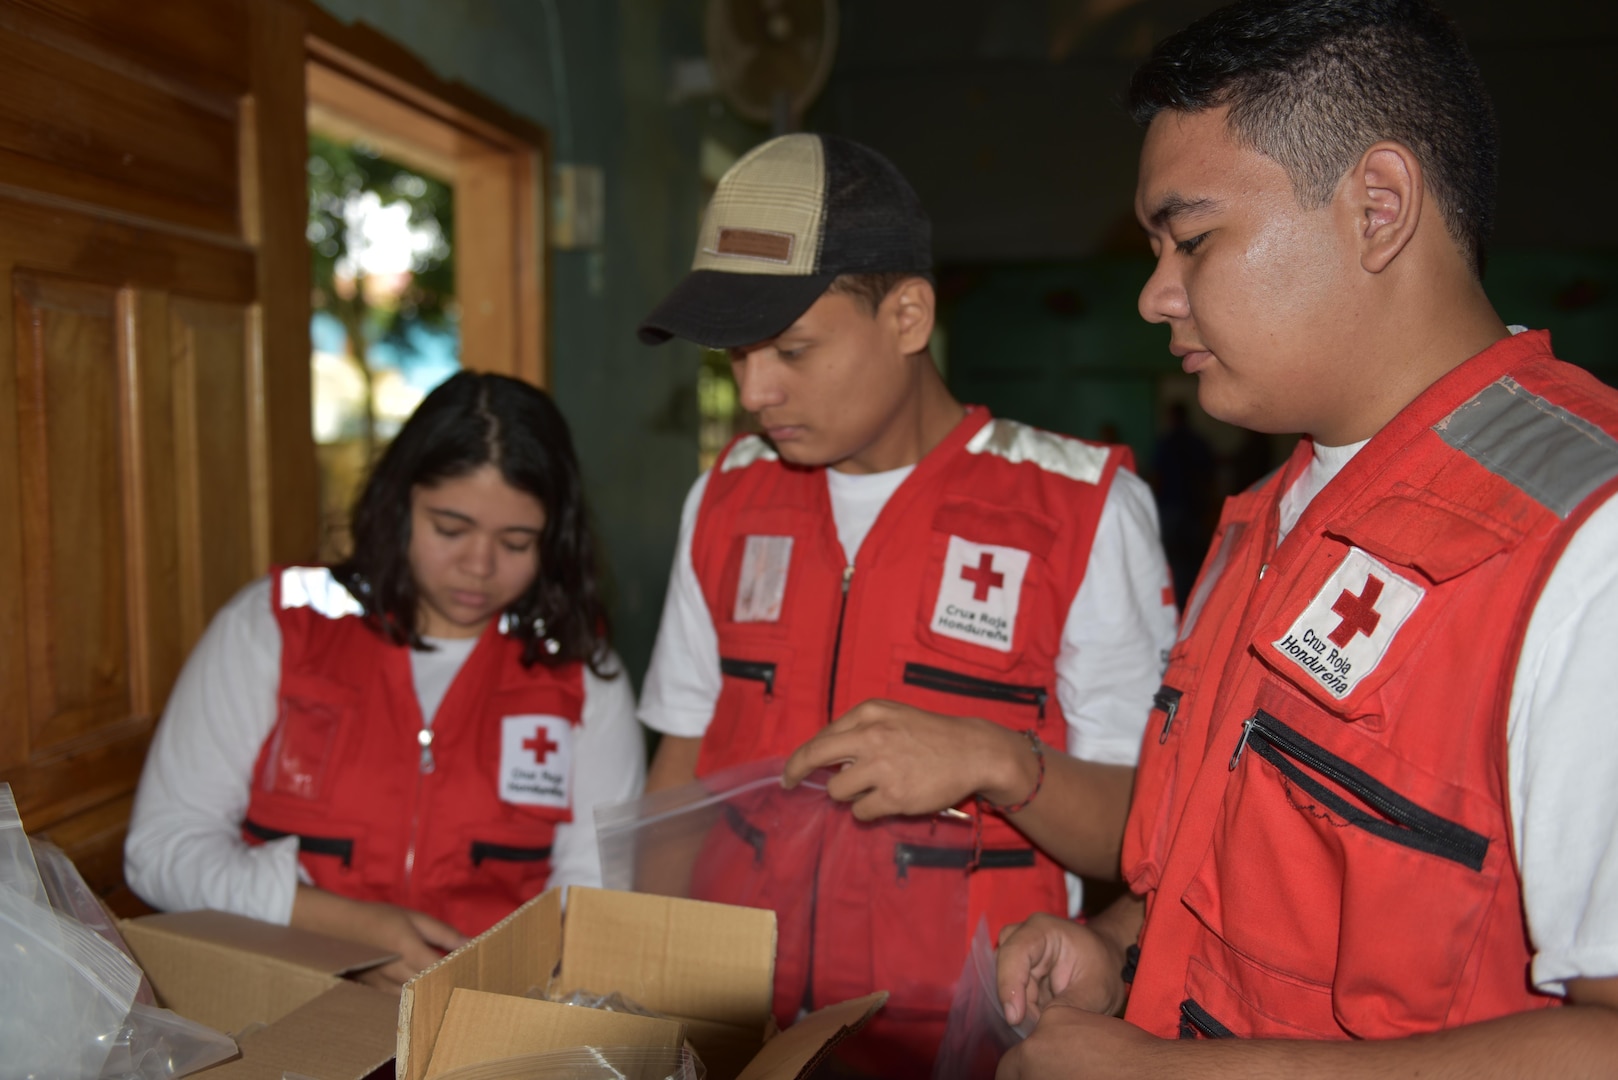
[1372, 828]
[963, 611]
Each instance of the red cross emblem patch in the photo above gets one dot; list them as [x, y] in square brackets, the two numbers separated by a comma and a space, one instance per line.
[536, 761]
[979, 593]
[1349, 625]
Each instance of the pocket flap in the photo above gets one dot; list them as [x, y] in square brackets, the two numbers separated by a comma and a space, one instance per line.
[988, 523]
[1417, 529]
[317, 692]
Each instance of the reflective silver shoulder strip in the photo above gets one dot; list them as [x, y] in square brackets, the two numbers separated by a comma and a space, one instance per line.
[748, 449]
[1058, 454]
[315, 587]
[1553, 456]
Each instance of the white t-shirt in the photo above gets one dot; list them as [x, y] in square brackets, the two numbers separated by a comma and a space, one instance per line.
[185, 849]
[1117, 634]
[1561, 745]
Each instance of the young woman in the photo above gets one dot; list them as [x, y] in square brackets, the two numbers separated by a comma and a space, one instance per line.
[402, 748]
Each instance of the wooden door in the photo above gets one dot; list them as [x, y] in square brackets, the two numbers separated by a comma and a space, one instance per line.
[155, 450]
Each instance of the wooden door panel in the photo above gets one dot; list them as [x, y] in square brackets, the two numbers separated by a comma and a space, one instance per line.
[114, 134]
[208, 343]
[157, 652]
[75, 555]
[116, 142]
[127, 400]
[52, 237]
[169, 39]
[53, 790]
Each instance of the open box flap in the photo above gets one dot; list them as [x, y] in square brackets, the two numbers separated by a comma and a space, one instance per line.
[287, 944]
[230, 973]
[480, 1027]
[797, 1050]
[344, 1034]
[681, 958]
[515, 954]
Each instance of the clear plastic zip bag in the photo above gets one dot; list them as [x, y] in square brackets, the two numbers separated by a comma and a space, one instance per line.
[659, 842]
[68, 1006]
[977, 1033]
[733, 837]
[68, 894]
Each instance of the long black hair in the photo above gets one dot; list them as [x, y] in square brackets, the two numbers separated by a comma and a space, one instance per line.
[469, 421]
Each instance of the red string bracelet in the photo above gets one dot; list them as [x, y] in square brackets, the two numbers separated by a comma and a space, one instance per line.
[984, 804]
[1039, 780]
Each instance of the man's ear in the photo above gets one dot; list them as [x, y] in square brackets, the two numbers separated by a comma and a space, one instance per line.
[1389, 196]
[911, 304]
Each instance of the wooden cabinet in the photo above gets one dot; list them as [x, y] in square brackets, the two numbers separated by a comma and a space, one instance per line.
[155, 450]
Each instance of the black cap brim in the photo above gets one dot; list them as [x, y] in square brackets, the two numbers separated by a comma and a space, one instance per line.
[723, 310]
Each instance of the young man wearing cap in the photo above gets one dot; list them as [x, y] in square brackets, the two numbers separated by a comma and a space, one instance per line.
[1372, 831]
[962, 611]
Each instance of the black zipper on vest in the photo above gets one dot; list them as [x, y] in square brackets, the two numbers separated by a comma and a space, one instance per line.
[314, 845]
[1402, 821]
[1195, 1020]
[483, 850]
[837, 646]
[924, 857]
[1168, 699]
[750, 834]
[831, 699]
[757, 670]
[953, 682]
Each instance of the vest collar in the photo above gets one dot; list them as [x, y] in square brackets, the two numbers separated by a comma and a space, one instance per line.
[1440, 399]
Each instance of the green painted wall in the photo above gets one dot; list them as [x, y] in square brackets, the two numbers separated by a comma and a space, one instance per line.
[1015, 138]
[1060, 344]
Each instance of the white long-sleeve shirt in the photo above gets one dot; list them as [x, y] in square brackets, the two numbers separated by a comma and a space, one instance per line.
[184, 848]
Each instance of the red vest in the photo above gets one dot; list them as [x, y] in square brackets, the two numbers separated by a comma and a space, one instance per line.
[955, 604]
[461, 830]
[1320, 823]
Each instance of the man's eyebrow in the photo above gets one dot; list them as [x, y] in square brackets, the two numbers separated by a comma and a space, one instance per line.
[1174, 205]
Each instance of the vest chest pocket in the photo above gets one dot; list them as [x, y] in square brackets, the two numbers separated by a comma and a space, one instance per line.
[1014, 703]
[512, 860]
[748, 717]
[986, 583]
[1323, 873]
[311, 718]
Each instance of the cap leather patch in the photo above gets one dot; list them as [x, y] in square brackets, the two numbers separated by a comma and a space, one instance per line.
[755, 244]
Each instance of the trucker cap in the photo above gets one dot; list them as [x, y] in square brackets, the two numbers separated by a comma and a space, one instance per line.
[784, 222]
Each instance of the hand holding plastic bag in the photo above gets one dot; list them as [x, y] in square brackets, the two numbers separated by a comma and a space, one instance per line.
[662, 842]
[977, 1033]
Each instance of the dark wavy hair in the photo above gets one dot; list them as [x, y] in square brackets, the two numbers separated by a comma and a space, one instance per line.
[469, 421]
[1313, 84]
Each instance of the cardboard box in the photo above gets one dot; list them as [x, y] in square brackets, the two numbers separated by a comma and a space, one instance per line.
[279, 990]
[709, 968]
